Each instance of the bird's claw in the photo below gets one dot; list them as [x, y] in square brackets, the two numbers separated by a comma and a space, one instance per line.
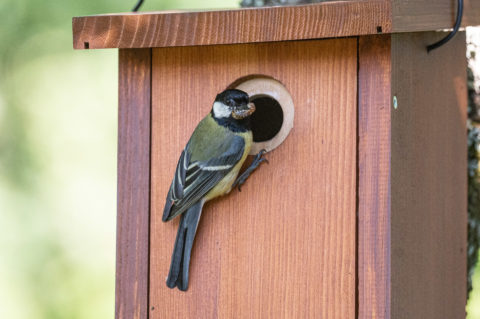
[259, 159]
[256, 161]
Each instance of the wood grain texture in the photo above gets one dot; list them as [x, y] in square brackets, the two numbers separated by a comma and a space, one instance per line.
[314, 21]
[428, 15]
[133, 184]
[284, 247]
[374, 177]
[429, 181]
[166, 29]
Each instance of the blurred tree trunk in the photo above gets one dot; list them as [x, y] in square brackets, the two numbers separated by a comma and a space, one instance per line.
[473, 131]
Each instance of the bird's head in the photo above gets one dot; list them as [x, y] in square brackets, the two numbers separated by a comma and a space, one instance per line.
[233, 104]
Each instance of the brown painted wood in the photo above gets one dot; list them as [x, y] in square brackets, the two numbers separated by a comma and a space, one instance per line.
[429, 182]
[374, 177]
[426, 15]
[165, 29]
[284, 247]
[133, 184]
[321, 20]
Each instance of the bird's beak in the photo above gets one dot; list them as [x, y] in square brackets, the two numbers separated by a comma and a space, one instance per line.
[244, 111]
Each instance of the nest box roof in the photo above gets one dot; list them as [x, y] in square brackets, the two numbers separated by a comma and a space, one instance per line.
[322, 20]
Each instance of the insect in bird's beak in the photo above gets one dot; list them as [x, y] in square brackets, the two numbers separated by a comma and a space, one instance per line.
[243, 111]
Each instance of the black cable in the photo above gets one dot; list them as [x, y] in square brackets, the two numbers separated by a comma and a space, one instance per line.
[451, 34]
[137, 6]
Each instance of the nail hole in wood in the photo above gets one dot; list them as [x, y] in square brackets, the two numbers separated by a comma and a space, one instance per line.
[86, 45]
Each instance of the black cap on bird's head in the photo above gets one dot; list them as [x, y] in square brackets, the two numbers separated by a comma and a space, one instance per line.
[233, 97]
[233, 103]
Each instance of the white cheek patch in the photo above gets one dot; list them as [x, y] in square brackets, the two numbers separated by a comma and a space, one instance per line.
[220, 110]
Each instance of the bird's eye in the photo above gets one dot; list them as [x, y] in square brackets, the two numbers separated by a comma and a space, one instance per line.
[231, 102]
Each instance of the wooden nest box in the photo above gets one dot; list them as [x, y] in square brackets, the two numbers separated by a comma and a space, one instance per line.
[361, 212]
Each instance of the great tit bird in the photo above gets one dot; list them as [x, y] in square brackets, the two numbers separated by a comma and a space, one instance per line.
[208, 167]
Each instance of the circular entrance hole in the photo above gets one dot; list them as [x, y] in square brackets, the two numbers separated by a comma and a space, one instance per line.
[273, 117]
[267, 119]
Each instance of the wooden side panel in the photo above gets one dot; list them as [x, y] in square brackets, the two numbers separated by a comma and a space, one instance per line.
[186, 28]
[374, 102]
[133, 184]
[284, 247]
[429, 181]
[422, 15]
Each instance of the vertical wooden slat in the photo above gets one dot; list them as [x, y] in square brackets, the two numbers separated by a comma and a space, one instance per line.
[284, 247]
[133, 184]
[374, 177]
[412, 178]
[429, 181]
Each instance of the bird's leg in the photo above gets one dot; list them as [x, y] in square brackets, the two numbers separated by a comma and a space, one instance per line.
[243, 177]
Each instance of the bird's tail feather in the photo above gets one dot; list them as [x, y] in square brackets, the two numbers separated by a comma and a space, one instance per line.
[178, 274]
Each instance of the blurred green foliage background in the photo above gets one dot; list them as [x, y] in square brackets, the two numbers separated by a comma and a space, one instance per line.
[58, 139]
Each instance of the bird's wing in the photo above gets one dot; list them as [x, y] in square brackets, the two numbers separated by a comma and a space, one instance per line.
[194, 179]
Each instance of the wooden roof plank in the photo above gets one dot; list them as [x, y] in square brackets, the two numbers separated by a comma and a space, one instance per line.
[187, 28]
[249, 25]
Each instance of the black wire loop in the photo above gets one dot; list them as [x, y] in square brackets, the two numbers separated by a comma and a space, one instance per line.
[458, 22]
[137, 6]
